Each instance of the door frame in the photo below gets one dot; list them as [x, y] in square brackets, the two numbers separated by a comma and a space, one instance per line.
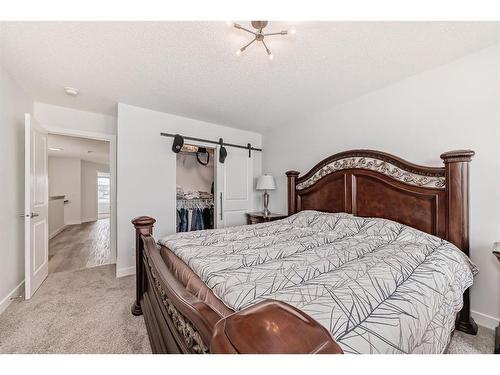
[111, 138]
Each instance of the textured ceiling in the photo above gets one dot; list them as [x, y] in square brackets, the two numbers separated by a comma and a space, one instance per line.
[191, 69]
[74, 147]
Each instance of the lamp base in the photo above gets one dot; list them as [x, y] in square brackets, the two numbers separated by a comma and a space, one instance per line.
[266, 204]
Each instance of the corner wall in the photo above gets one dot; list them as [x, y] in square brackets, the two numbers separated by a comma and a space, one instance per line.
[451, 107]
[76, 179]
[14, 103]
[64, 179]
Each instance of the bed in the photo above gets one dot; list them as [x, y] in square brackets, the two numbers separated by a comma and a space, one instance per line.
[371, 259]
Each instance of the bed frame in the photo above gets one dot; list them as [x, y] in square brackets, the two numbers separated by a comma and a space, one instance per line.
[362, 182]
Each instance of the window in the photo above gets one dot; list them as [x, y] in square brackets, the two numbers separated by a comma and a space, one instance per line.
[103, 187]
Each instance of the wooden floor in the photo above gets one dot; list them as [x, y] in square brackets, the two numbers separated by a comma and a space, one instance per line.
[80, 246]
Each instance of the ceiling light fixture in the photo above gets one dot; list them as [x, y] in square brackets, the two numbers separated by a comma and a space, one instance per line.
[71, 91]
[259, 36]
[56, 149]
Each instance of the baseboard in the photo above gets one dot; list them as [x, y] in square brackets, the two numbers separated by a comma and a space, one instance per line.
[57, 232]
[74, 222]
[485, 320]
[17, 291]
[120, 272]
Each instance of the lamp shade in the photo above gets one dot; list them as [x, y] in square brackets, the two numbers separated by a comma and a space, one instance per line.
[266, 182]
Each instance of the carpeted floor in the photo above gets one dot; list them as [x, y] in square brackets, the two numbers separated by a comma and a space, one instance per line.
[84, 311]
[88, 311]
[483, 343]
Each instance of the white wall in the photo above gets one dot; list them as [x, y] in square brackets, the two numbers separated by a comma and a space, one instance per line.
[61, 117]
[65, 179]
[89, 203]
[76, 179]
[451, 107]
[56, 216]
[146, 170]
[191, 175]
[14, 103]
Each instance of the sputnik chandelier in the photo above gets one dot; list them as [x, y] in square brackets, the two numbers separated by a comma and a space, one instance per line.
[259, 35]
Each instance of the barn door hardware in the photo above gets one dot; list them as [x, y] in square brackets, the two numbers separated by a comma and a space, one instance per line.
[222, 151]
[179, 141]
[202, 151]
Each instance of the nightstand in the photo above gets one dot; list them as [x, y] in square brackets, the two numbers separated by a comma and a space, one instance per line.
[259, 217]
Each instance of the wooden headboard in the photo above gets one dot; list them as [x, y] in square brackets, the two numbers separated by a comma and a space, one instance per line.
[376, 184]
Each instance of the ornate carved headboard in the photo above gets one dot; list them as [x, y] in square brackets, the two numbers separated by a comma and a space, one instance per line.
[376, 184]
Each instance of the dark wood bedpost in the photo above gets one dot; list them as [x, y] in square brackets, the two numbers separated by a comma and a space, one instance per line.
[292, 197]
[457, 223]
[143, 227]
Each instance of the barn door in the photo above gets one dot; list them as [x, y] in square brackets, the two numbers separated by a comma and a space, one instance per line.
[36, 202]
[234, 182]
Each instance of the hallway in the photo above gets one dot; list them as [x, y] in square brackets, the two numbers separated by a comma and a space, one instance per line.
[80, 246]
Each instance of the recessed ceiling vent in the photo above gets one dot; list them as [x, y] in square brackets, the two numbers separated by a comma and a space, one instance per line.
[71, 91]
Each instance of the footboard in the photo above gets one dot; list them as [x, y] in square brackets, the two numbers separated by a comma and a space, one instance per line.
[179, 322]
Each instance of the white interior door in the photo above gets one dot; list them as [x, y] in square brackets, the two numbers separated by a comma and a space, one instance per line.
[234, 181]
[36, 202]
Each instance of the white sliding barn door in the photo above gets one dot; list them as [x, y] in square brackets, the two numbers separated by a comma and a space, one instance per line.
[234, 188]
[36, 202]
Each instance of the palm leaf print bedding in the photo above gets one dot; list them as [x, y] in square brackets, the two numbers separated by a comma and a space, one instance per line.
[378, 286]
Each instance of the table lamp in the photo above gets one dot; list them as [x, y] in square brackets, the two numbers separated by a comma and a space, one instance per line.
[266, 182]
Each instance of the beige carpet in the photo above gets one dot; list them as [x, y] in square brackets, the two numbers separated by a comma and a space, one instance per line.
[88, 311]
[84, 311]
[483, 343]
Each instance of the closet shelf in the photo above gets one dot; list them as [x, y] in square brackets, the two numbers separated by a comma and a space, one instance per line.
[191, 203]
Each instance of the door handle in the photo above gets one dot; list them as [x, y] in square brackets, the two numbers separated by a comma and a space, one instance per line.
[33, 214]
[221, 211]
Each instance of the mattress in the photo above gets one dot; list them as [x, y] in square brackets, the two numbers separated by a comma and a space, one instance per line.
[378, 286]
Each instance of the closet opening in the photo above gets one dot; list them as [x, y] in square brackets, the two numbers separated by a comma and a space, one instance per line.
[195, 181]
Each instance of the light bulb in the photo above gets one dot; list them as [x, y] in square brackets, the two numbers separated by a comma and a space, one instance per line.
[292, 31]
[238, 52]
[229, 24]
[271, 57]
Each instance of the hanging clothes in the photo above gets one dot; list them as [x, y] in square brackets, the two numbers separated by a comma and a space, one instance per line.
[197, 223]
[195, 214]
[183, 220]
[208, 217]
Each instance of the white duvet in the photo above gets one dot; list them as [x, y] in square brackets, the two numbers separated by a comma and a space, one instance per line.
[378, 286]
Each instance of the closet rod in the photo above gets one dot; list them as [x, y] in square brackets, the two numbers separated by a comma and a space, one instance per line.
[209, 141]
